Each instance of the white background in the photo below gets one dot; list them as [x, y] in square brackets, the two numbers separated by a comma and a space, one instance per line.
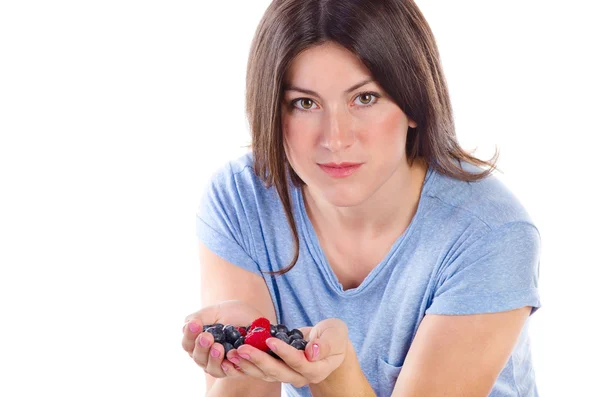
[113, 115]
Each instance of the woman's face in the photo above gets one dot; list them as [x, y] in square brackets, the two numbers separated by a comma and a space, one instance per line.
[334, 115]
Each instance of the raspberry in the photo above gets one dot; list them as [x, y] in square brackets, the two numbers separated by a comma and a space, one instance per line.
[258, 338]
[242, 331]
[260, 322]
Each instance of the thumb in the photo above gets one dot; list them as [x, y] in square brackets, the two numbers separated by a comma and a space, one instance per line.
[204, 316]
[328, 338]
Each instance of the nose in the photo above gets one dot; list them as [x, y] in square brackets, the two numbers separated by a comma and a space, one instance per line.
[337, 132]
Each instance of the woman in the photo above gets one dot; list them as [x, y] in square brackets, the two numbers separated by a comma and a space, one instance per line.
[358, 216]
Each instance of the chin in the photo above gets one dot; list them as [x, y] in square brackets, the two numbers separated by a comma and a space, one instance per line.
[346, 197]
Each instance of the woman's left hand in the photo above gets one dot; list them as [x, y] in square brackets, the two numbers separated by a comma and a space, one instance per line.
[324, 353]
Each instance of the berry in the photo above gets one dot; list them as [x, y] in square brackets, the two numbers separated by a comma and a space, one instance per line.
[231, 334]
[299, 344]
[294, 337]
[242, 331]
[283, 337]
[273, 354]
[217, 334]
[227, 346]
[273, 330]
[260, 322]
[258, 338]
[239, 342]
[296, 331]
[282, 328]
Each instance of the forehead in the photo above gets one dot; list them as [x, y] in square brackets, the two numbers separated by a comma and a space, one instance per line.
[328, 62]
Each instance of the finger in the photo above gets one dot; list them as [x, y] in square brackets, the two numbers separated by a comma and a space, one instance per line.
[246, 366]
[201, 350]
[293, 357]
[327, 339]
[215, 359]
[191, 330]
[230, 369]
[206, 315]
[305, 331]
[256, 362]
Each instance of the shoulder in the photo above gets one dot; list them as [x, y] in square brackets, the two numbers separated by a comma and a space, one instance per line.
[236, 176]
[488, 202]
[236, 186]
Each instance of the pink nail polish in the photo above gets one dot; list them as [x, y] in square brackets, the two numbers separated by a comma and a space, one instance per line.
[224, 367]
[245, 356]
[315, 351]
[215, 353]
[204, 342]
[234, 360]
[194, 327]
[272, 345]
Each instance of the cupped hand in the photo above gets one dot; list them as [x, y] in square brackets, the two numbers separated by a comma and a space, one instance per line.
[200, 345]
[326, 350]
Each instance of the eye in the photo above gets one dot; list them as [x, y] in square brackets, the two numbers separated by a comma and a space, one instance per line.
[305, 103]
[367, 98]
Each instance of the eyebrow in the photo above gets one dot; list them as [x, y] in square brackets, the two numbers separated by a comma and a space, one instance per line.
[313, 93]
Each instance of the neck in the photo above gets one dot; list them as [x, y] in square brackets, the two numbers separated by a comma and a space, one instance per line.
[392, 206]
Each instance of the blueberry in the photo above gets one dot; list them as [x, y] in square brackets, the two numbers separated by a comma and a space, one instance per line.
[299, 344]
[273, 330]
[273, 354]
[296, 331]
[231, 334]
[217, 334]
[283, 336]
[239, 342]
[294, 337]
[282, 328]
[227, 346]
[205, 327]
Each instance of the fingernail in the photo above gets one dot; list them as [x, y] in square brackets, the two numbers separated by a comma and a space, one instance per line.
[204, 342]
[224, 367]
[315, 351]
[245, 356]
[234, 360]
[194, 327]
[272, 345]
[214, 352]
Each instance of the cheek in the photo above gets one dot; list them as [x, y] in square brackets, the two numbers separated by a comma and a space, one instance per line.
[298, 133]
[388, 131]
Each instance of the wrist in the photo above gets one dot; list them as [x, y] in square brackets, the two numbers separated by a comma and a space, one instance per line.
[347, 380]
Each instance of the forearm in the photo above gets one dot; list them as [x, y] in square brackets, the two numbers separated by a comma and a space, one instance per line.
[243, 386]
[347, 380]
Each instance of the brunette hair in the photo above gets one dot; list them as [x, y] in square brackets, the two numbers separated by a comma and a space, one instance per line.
[394, 41]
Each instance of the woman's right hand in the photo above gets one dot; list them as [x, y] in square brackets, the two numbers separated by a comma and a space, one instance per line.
[200, 345]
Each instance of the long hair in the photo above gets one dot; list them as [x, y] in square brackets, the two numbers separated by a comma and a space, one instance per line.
[394, 41]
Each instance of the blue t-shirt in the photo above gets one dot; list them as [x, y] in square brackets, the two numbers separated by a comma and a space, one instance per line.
[470, 248]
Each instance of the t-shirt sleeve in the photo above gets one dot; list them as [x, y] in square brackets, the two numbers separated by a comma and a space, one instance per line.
[497, 272]
[221, 220]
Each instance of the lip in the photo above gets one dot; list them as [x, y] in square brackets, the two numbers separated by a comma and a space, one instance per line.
[340, 170]
[339, 165]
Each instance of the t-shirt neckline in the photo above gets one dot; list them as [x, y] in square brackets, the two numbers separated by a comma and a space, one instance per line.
[314, 247]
